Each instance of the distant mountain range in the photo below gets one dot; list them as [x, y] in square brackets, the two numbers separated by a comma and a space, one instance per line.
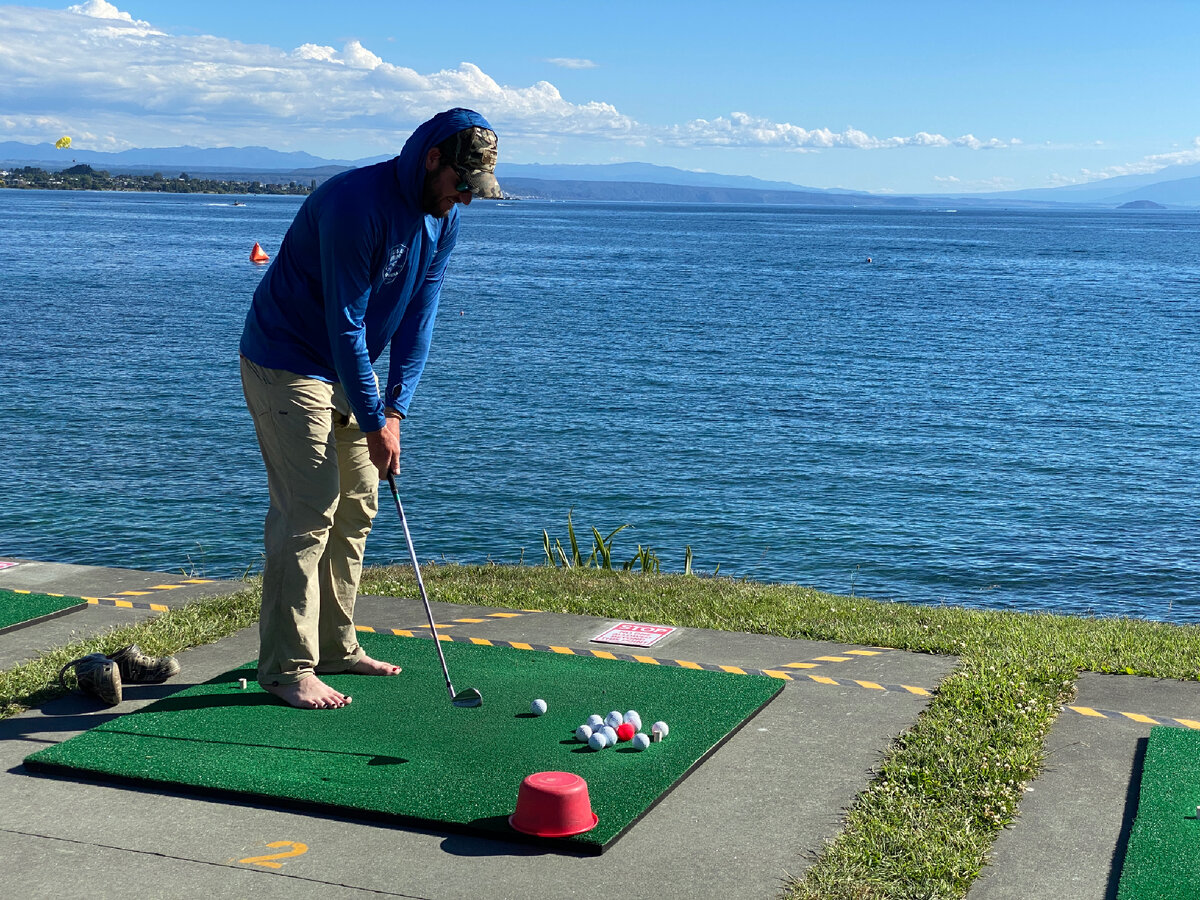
[1174, 186]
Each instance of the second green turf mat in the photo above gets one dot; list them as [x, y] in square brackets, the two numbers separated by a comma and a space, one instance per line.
[1162, 861]
[401, 751]
[21, 608]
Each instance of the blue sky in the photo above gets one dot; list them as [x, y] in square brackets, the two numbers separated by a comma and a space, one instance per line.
[881, 96]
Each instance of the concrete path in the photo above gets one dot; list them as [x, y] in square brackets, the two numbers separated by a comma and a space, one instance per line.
[752, 815]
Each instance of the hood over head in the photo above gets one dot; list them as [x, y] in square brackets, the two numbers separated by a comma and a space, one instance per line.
[477, 152]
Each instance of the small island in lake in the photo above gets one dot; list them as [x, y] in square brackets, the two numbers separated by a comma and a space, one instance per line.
[1141, 204]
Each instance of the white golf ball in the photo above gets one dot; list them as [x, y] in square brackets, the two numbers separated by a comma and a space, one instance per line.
[610, 734]
[634, 719]
[597, 741]
[661, 726]
[583, 733]
[594, 721]
[537, 707]
[614, 719]
[641, 741]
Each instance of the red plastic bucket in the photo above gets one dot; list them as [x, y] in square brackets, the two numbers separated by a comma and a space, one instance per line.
[553, 804]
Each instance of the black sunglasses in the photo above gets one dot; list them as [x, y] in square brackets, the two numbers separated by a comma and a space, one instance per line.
[463, 186]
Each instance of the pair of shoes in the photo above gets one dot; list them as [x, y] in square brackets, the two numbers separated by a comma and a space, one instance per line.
[138, 668]
[96, 675]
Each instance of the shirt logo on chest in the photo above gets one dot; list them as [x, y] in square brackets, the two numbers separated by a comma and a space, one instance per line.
[395, 263]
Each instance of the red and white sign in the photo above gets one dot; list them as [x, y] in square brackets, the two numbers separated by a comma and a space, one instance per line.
[7, 565]
[632, 634]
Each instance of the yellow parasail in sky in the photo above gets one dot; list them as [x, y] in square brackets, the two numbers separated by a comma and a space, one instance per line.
[63, 142]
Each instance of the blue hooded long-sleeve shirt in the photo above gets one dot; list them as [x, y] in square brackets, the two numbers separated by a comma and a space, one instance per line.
[361, 265]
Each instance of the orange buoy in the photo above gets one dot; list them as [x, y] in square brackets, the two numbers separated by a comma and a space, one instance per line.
[258, 255]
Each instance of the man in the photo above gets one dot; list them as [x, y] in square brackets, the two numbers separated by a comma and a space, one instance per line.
[360, 266]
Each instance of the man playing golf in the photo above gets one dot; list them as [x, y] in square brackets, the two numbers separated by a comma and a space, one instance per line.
[361, 266]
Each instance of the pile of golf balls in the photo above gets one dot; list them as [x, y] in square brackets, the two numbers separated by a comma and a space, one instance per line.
[599, 732]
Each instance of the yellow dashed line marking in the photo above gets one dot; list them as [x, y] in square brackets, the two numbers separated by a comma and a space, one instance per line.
[132, 593]
[472, 621]
[681, 663]
[832, 658]
[864, 652]
[197, 581]
[503, 615]
[802, 665]
[166, 587]
[1138, 717]
[1117, 715]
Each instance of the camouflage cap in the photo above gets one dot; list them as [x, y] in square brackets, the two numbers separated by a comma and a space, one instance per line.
[474, 152]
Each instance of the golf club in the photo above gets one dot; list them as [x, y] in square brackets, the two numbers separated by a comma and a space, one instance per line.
[471, 696]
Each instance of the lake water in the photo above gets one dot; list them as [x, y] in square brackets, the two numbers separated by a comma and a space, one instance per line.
[1000, 410]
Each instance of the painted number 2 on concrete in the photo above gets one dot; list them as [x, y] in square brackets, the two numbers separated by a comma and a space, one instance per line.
[269, 861]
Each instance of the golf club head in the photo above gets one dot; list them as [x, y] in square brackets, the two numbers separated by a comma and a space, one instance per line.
[468, 698]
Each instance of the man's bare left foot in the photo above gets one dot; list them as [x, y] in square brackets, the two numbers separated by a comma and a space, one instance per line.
[368, 666]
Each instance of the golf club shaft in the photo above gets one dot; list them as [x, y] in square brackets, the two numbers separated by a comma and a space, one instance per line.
[412, 553]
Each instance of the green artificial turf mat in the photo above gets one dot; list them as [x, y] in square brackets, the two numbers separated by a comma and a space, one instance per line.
[20, 608]
[401, 751]
[1162, 860]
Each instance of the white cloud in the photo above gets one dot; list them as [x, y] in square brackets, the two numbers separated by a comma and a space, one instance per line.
[743, 130]
[95, 69]
[100, 9]
[1148, 165]
[568, 63]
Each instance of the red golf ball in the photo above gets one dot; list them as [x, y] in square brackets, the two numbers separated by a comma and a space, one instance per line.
[625, 731]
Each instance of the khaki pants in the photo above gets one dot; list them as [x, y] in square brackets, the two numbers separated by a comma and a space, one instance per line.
[324, 496]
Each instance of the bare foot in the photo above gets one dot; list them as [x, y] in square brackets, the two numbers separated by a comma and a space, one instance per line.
[368, 666]
[309, 693]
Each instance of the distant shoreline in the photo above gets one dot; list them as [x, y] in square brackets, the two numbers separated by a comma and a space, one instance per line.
[85, 178]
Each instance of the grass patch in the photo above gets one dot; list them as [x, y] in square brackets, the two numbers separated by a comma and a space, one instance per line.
[924, 824]
[205, 621]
